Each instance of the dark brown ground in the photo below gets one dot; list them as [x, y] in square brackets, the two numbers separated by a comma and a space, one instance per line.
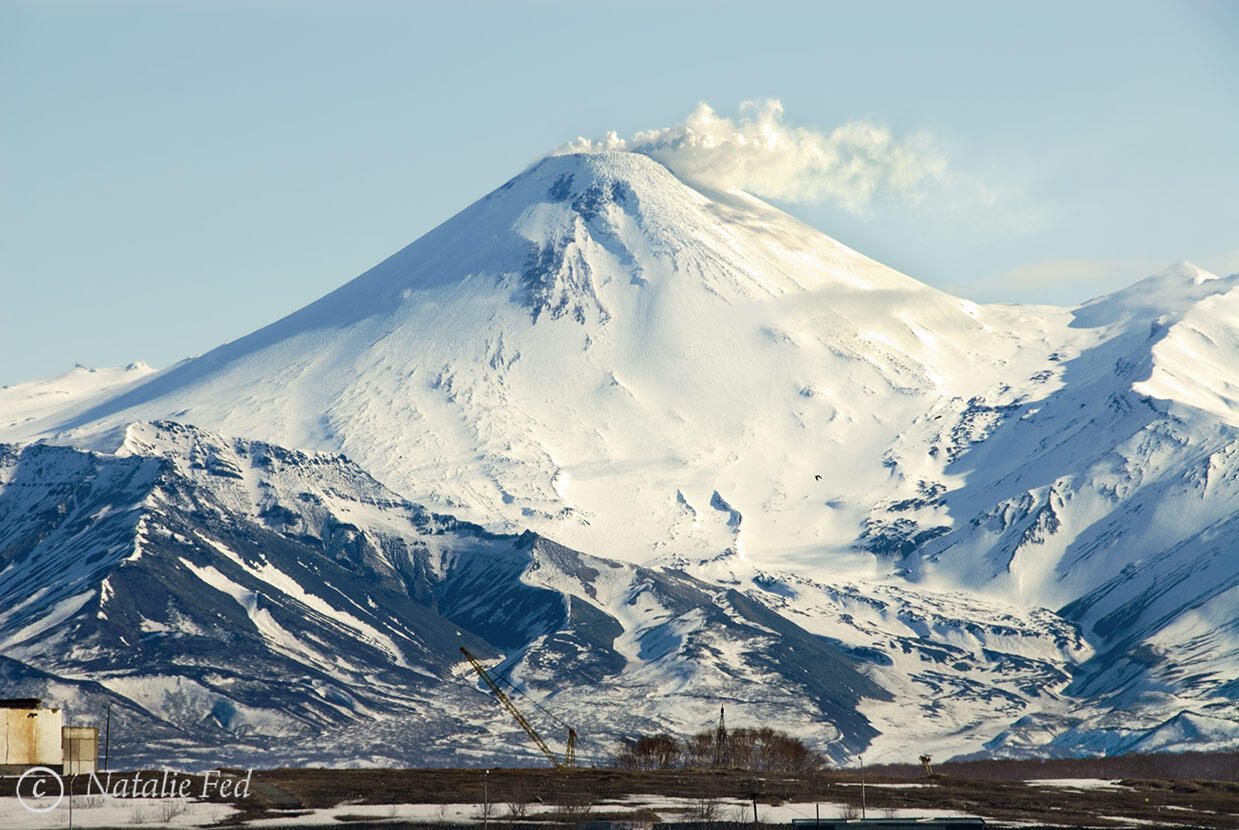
[1205, 795]
[991, 790]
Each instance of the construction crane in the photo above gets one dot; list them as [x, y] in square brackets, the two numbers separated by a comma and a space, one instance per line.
[569, 759]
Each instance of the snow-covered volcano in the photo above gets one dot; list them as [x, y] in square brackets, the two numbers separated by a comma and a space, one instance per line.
[599, 351]
[1019, 521]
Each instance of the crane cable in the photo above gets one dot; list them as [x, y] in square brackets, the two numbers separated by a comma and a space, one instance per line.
[558, 720]
[569, 759]
[525, 695]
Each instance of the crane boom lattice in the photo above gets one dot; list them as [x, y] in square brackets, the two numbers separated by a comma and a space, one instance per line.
[569, 759]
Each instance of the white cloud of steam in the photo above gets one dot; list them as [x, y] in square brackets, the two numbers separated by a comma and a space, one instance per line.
[851, 166]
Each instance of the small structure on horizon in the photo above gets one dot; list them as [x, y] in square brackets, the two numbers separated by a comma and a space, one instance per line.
[925, 759]
[79, 749]
[722, 758]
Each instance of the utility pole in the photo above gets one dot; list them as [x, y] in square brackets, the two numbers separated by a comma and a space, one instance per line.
[862, 786]
[754, 788]
[107, 739]
[68, 728]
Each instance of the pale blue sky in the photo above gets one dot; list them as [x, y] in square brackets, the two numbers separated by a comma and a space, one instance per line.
[177, 174]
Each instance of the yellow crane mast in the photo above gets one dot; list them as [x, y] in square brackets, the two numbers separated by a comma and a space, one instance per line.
[569, 759]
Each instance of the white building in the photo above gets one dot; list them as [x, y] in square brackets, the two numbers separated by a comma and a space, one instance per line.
[33, 736]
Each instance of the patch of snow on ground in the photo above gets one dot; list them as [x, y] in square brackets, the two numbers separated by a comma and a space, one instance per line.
[105, 811]
[1076, 783]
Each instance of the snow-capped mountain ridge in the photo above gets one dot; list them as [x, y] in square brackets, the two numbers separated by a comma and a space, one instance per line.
[655, 373]
[252, 596]
[215, 586]
[1193, 364]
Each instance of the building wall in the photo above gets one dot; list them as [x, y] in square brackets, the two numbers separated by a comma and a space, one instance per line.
[80, 748]
[30, 736]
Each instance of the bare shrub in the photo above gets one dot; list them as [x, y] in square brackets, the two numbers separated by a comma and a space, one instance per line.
[769, 750]
[650, 752]
[575, 807]
[706, 811]
[698, 751]
[762, 749]
[167, 810]
[485, 811]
